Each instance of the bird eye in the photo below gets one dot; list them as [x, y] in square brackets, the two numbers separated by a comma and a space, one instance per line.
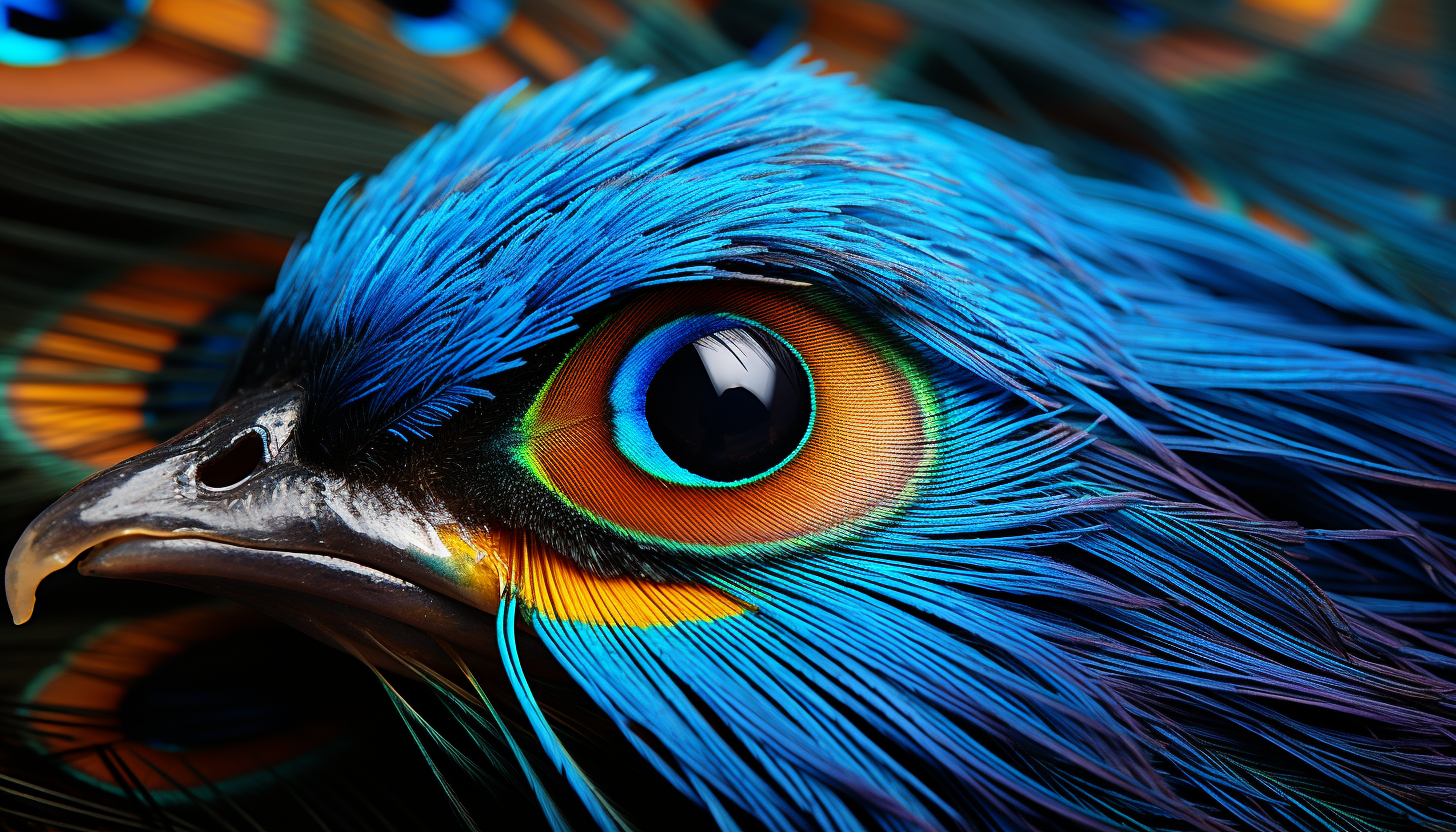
[727, 418]
[721, 400]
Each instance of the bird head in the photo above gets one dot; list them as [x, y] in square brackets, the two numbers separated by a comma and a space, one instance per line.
[863, 468]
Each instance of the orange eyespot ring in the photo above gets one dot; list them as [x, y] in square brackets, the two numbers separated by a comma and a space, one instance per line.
[86, 390]
[871, 438]
[73, 710]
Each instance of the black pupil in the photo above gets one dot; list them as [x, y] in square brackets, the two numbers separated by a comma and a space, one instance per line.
[75, 20]
[730, 405]
[233, 465]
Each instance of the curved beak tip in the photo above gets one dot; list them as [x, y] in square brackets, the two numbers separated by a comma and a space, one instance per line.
[19, 588]
[25, 570]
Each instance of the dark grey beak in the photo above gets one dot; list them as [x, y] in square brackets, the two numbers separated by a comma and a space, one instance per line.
[228, 508]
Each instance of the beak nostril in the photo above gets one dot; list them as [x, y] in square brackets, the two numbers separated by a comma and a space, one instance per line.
[233, 465]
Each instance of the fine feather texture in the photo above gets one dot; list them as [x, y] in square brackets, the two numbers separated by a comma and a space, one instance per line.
[1091, 614]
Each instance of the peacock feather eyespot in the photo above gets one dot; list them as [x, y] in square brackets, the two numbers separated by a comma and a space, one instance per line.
[443, 28]
[636, 429]
[50, 32]
[65, 63]
[195, 699]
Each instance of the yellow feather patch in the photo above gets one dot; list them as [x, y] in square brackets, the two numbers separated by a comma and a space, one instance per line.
[554, 586]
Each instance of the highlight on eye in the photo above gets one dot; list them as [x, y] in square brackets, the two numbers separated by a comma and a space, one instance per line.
[711, 416]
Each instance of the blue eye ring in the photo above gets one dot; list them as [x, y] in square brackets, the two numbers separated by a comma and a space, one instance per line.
[627, 396]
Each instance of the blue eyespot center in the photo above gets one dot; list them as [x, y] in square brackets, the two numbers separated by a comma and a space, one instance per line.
[49, 32]
[712, 400]
[449, 27]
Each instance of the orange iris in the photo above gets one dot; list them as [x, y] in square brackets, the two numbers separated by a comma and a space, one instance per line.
[869, 441]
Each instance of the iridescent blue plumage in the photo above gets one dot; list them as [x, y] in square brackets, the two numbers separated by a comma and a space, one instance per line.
[1181, 559]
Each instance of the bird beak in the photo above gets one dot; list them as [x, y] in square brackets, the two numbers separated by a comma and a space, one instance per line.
[228, 508]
